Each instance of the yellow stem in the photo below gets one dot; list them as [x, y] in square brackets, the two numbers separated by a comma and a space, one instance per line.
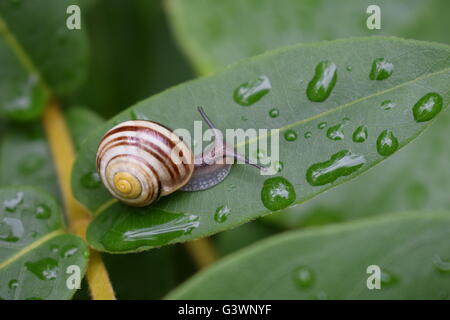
[202, 251]
[63, 157]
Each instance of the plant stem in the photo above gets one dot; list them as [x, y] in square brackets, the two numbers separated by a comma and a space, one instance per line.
[202, 252]
[78, 218]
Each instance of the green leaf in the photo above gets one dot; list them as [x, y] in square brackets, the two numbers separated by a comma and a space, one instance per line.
[214, 34]
[419, 68]
[25, 159]
[411, 250]
[416, 178]
[35, 250]
[37, 51]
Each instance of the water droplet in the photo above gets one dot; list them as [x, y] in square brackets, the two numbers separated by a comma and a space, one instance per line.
[349, 68]
[381, 69]
[11, 229]
[69, 251]
[26, 100]
[322, 125]
[342, 163]
[54, 248]
[387, 105]
[250, 92]
[290, 135]
[29, 164]
[427, 107]
[44, 269]
[277, 193]
[441, 265]
[43, 212]
[335, 133]
[303, 277]
[13, 284]
[308, 134]
[136, 115]
[388, 278]
[86, 253]
[321, 85]
[278, 166]
[360, 134]
[91, 180]
[11, 204]
[178, 226]
[273, 113]
[387, 143]
[222, 214]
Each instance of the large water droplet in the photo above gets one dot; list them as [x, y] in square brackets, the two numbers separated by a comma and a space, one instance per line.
[43, 212]
[91, 180]
[44, 269]
[427, 107]
[387, 143]
[360, 134]
[222, 213]
[290, 135]
[13, 284]
[277, 193]
[335, 133]
[441, 265]
[30, 163]
[321, 85]
[12, 204]
[69, 251]
[250, 92]
[179, 226]
[273, 113]
[381, 69]
[342, 163]
[11, 229]
[303, 276]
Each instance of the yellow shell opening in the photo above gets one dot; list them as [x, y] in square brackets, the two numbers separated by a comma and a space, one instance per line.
[127, 185]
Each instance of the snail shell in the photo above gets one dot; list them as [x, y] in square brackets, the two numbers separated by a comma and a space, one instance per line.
[139, 161]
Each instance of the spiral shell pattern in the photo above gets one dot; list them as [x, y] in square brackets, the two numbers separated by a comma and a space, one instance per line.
[140, 161]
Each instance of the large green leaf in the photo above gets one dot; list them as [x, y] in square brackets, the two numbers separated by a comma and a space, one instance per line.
[35, 250]
[81, 121]
[36, 48]
[216, 33]
[416, 178]
[412, 251]
[419, 68]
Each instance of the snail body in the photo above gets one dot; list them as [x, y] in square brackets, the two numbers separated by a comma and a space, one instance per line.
[140, 161]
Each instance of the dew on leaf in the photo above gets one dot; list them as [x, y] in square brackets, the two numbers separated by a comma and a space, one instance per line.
[44, 269]
[387, 105]
[427, 107]
[42, 211]
[290, 135]
[335, 133]
[303, 276]
[308, 134]
[323, 82]
[387, 143]
[273, 113]
[360, 134]
[251, 92]
[12, 204]
[69, 251]
[340, 164]
[91, 180]
[277, 193]
[11, 229]
[222, 213]
[441, 265]
[381, 69]
[13, 284]
[321, 125]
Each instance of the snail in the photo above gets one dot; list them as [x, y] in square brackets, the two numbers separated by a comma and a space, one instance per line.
[140, 161]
